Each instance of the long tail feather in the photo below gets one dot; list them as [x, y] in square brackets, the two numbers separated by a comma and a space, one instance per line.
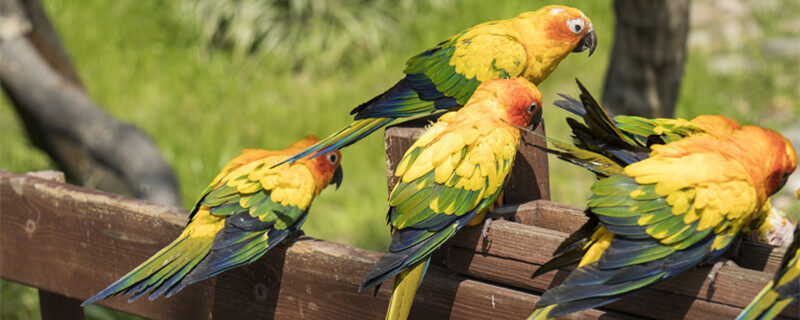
[405, 288]
[343, 138]
[761, 304]
[541, 313]
[161, 272]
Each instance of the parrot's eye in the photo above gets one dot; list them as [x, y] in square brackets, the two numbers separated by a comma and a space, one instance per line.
[332, 158]
[576, 25]
[533, 107]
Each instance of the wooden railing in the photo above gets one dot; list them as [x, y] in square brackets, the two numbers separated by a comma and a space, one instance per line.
[70, 242]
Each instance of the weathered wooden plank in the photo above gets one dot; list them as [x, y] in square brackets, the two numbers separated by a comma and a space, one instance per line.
[74, 241]
[53, 305]
[512, 252]
[529, 177]
[567, 219]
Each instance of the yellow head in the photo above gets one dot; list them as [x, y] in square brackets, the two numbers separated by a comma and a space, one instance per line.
[550, 34]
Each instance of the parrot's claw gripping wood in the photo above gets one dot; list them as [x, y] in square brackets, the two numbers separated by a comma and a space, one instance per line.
[715, 269]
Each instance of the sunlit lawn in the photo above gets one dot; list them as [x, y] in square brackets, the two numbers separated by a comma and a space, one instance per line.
[202, 107]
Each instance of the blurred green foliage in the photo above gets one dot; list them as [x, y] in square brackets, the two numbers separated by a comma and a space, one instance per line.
[300, 33]
[204, 92]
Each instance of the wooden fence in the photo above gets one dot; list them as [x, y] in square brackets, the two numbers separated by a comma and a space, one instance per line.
[70, 242]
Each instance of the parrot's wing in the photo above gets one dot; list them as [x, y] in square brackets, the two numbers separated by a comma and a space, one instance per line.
[446, 178]
[446, 76]
[782, 290]
[261, 206]
[602, 133]
[441, 78]
[665, 216]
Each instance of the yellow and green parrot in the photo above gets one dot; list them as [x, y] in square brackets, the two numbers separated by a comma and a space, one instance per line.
[449, 177]
[248, 209]
[444, 77]
[783, 290]
[670, 194]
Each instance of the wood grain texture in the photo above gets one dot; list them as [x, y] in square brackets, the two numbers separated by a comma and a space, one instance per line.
[512, 252]
[73, 241]
[567, 219]
[52, 305]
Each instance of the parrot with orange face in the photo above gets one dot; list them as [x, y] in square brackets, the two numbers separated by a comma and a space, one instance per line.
[670, 194]
[449, 177]
[444, 77]
[245, 211]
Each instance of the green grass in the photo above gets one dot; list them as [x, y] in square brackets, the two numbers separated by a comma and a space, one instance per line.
[146, 66]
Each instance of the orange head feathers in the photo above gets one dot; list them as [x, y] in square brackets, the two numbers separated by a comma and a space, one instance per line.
[518, 99]
[782, 162]
[325, 167]
[766, 156]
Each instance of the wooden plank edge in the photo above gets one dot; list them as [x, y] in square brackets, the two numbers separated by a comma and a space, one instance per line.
[308, 279]
[734, 286]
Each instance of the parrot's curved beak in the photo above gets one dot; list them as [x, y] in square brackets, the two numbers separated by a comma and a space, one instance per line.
[338, 175]
[589, 41]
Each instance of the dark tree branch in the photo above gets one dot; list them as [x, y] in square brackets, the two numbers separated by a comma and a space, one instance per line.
[88, 144]
[648, 58]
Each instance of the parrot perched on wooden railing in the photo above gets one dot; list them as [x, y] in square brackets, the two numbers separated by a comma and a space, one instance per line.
[444, 77]
[449, 178]
[670, 194]
[248, 209]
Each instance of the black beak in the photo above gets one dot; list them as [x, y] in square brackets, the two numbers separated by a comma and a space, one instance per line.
[536, 119]
[338, 175]
[589, 41]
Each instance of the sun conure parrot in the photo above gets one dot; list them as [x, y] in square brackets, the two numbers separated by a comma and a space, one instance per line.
[783, 290]
[444, 77]
[248, 208]
[670, 194]
[450, 176]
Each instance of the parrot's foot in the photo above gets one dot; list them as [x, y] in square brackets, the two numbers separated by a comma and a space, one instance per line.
[490, 216]
[485, 229]
[712, 275]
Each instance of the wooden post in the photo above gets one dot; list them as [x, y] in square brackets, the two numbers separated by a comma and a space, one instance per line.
[53, 305]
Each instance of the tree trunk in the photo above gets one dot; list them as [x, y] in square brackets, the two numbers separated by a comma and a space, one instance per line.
[88, 144]
[648, 58]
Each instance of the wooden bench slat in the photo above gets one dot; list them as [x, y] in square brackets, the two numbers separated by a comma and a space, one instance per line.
[74, 241]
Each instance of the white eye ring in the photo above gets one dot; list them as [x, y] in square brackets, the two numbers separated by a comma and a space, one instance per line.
[533, 107]
[576, 25]
[332, 158]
